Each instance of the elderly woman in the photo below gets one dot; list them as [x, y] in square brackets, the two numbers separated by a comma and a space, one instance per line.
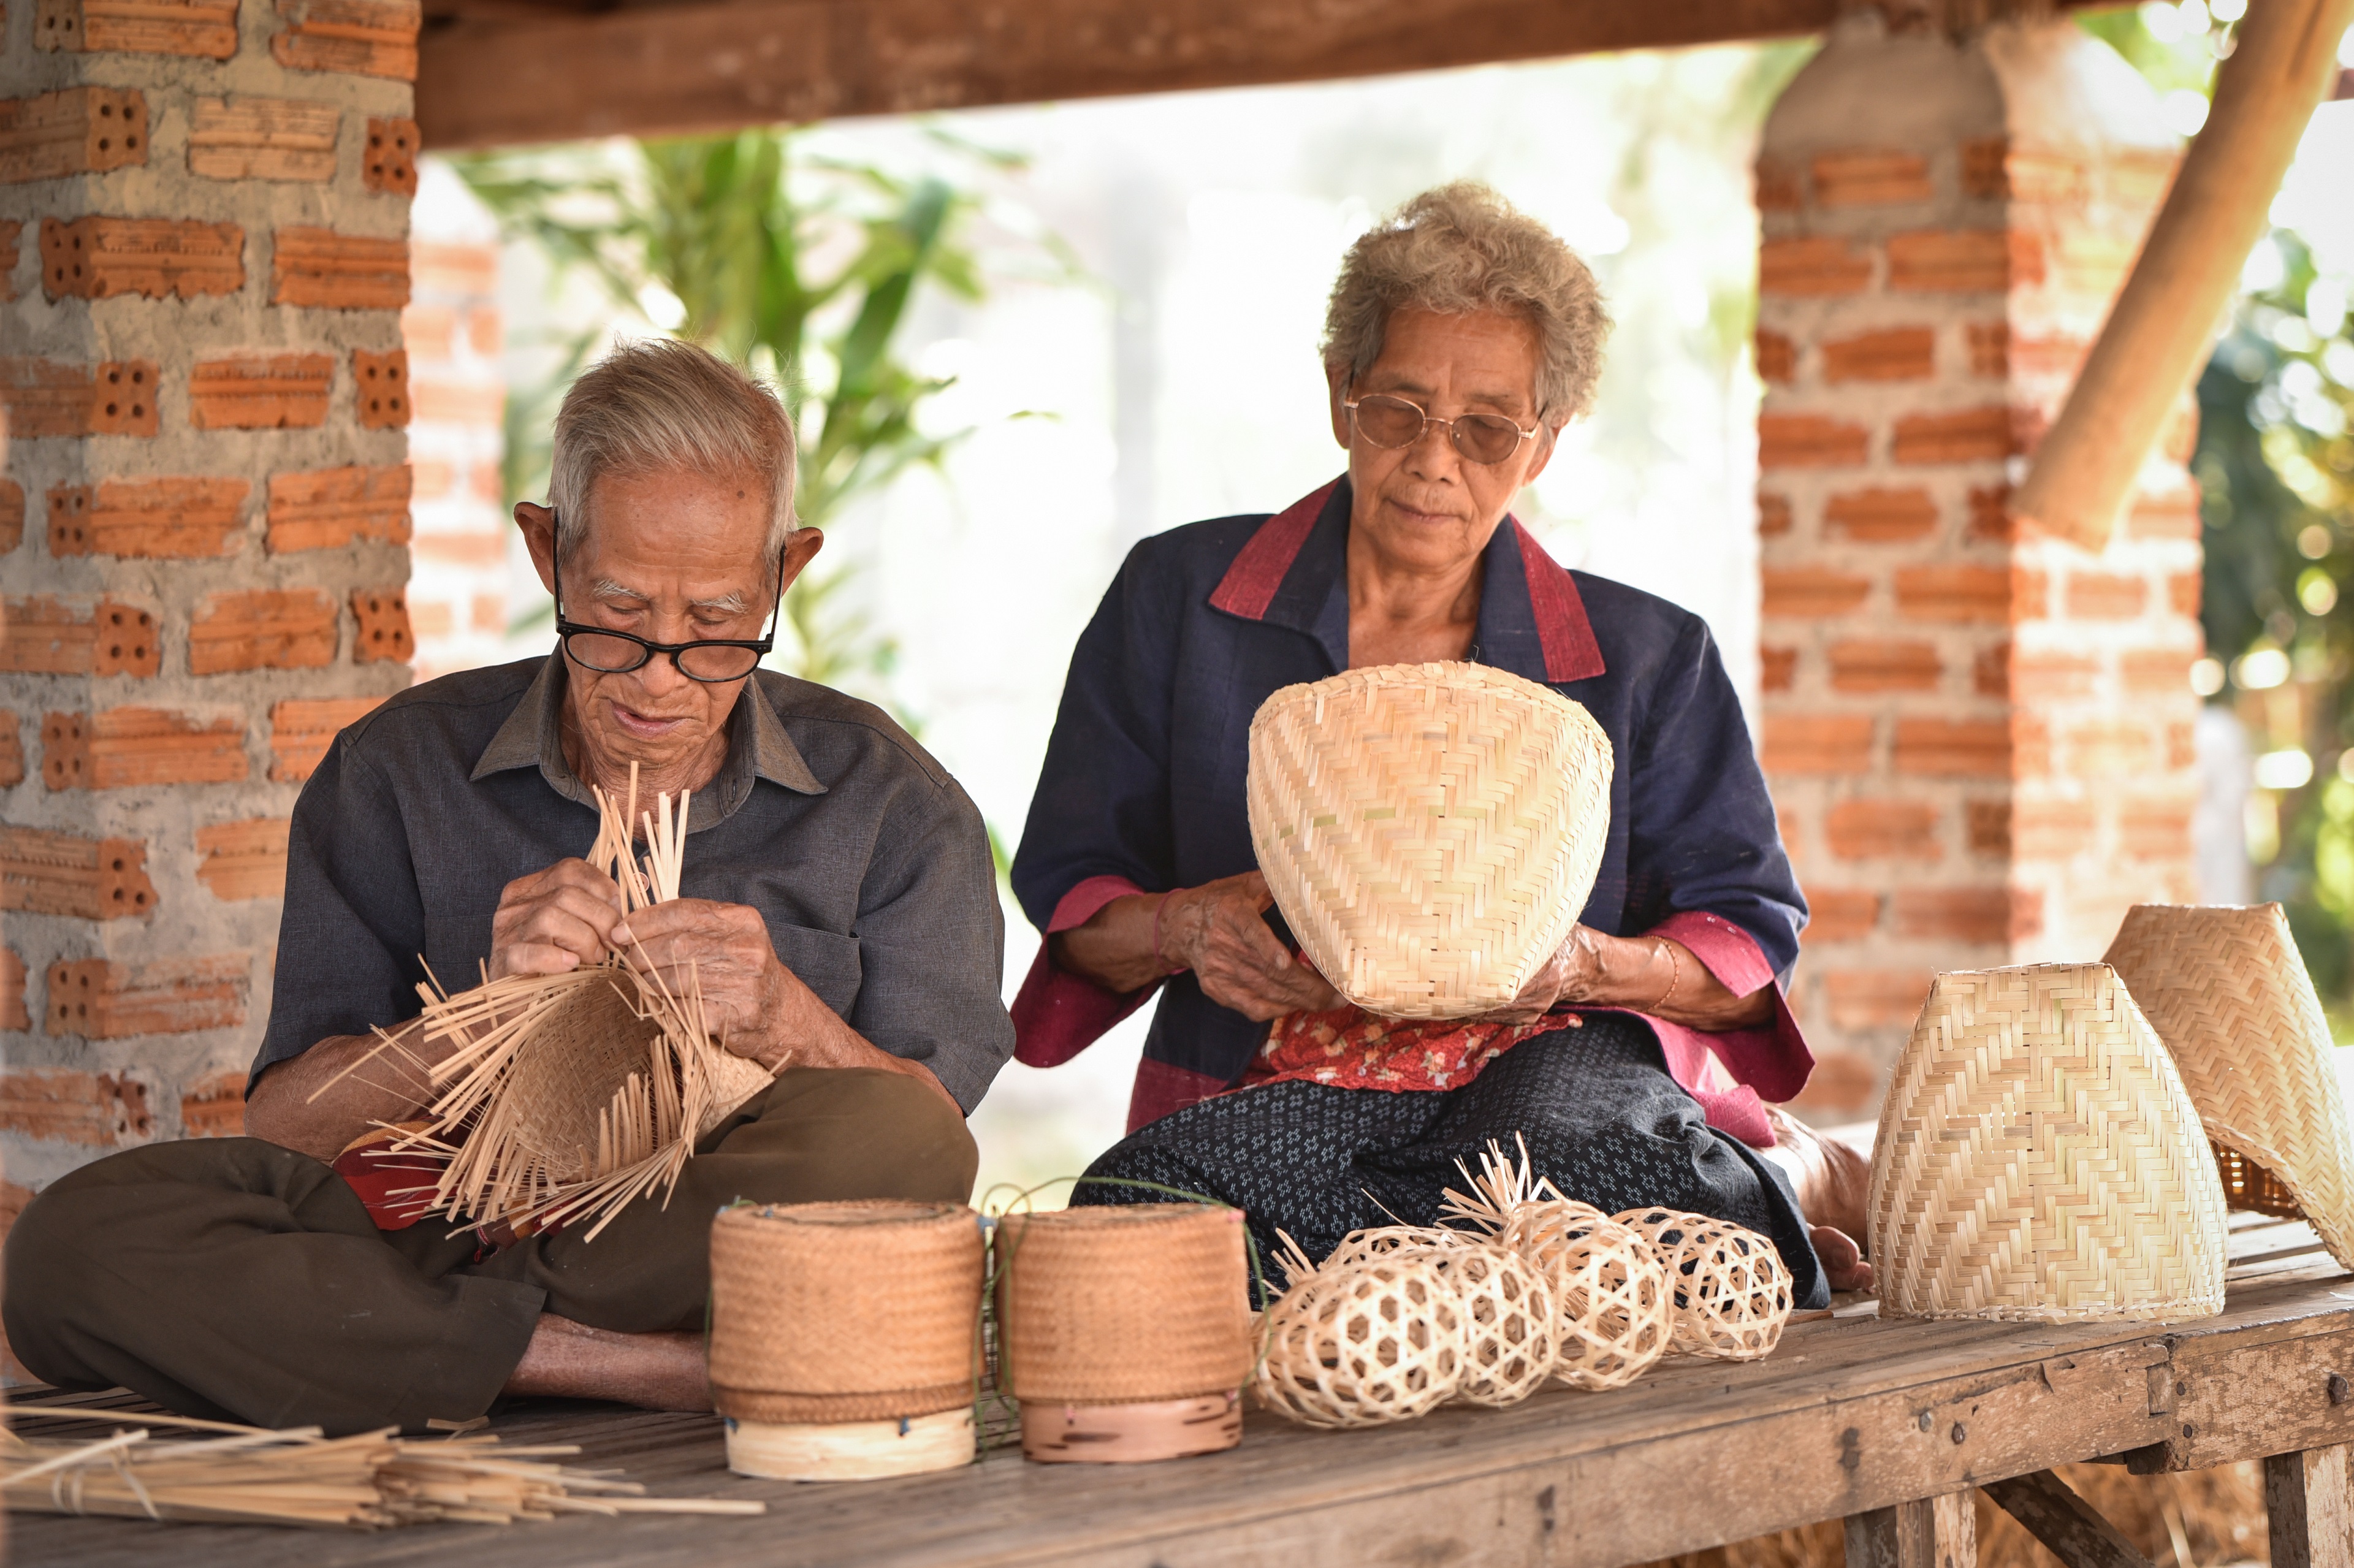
[1461, 337]
[839, 914]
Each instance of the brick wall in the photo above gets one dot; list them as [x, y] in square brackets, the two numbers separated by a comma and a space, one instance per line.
[1979, 742]
[204, 213]
[458, 590]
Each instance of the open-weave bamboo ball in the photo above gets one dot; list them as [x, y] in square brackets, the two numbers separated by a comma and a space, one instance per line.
[1732, 1289]
[2040, 1159]
[1614, 1310]
[1123, 1303]
[1510, 1326]
[843, 1312]
[1430, 831]
[1388, 1241]
[1357, 1346]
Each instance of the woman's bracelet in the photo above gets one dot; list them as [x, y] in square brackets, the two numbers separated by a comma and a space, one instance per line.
[1675, 973]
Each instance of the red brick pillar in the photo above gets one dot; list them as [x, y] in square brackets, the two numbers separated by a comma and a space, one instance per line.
[1979, 742]
[204, 208]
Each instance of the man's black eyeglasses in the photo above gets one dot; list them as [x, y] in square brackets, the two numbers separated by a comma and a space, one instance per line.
[715, 660]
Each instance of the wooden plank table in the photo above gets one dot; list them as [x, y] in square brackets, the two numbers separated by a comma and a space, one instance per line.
[1851, 1417]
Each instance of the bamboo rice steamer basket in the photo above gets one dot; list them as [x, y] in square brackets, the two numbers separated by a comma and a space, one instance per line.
[1430, 831]
[1124, 1330]
[844, 1337]
[2227, 990]
[2039, 1159]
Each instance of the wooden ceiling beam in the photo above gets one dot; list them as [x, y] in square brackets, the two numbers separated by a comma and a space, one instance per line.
[505, 74]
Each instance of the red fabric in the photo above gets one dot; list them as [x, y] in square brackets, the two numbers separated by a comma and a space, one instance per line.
[1350, 1049]
[387, 1183]
[1249, 585]
[1056, 1015]
[1570, 653]
[1162, 1089]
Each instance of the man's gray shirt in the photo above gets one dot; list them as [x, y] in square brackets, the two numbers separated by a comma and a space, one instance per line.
[870, 865]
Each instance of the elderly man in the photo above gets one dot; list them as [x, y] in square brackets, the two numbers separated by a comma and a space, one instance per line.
[839, 909]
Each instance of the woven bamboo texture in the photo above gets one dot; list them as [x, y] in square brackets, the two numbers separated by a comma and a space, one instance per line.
[1731, 1289]
[1617, 1315]
[2228, 993]
[1123, 1303]
[850, 1311]
[2039, 1159]
[1379, 1342]
[1430, 831]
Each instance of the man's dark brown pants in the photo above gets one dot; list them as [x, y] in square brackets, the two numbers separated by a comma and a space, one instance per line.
[234, 1279]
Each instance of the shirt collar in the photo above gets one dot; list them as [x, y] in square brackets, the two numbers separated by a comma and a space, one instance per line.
[1295, 572]
[532, 737]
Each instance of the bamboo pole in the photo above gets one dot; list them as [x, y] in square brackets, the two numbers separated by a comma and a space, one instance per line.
[2160, 329]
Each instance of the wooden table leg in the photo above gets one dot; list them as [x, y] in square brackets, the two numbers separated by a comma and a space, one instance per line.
[2071, 1528]
[2310, 1500]
[1935, 1533]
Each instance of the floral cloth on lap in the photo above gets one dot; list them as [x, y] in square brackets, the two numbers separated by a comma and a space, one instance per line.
[1349, 1048]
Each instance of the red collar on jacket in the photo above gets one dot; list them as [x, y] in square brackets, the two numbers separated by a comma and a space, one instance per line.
[1571, 652]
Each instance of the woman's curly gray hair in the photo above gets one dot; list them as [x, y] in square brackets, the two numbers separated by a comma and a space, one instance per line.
[654, 405]
[1462, 248]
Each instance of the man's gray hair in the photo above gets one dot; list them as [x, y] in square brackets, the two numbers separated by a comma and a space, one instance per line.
[656, 405]
[1459, 249]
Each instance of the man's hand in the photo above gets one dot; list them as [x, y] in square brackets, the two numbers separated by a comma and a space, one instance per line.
[1216, 931]
[554, 920]
[749, 995]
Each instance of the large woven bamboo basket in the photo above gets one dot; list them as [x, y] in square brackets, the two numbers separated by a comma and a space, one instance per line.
[2039, 1159]
[825, 1313]
[2227, 990]
[1125, 1329]
[1430, 831]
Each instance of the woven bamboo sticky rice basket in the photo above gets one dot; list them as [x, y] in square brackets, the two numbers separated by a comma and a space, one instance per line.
[2039, 1159]
[1430, 831]
[1124, 1330]
[2228, 993]
[844, 1337]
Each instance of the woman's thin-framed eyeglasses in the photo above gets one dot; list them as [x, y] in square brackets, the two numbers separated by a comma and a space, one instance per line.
[714, 661]
[1392, 422]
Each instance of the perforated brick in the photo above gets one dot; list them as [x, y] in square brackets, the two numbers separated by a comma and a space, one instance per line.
[46, 397]
[380, 384]
[327, 270]
[97, 1111]
[12, 516]
[390, 160]
[206, 29]
[366, 37]
[153, 518]
[260, 392]
[59, 873]
[124, 748]
[80, 131]
[44, 635]
[384, 628]
[243, 859]
[97, 258]
[302, 730]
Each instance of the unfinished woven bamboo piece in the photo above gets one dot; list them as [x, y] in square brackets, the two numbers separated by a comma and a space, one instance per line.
[218, 1472]
[1362, 1346]
[2227, 990]
[571, 1095]
[1615, 1315]
[1731, 1289]
[1510, 1326]
[1117, 1321]
[842, 1315]
[1430, 831]
[2039, 1159]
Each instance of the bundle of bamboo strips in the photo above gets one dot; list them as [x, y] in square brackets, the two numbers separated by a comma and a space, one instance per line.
[570, 1096]
[229, 1473]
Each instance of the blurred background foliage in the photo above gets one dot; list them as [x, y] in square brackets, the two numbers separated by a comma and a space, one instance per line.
[798, 267]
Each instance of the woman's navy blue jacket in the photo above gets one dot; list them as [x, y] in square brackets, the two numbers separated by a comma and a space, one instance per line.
[1142, 787]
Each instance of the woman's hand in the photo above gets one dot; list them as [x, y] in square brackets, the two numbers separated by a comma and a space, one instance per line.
[1647, 974]
[1214, 929]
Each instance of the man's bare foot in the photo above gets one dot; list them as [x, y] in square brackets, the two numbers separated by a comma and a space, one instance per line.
[1833, 1180]
[572, 1361]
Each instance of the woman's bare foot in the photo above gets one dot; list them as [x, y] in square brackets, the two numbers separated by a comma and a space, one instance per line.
[1833, 1181]
[572, 1361]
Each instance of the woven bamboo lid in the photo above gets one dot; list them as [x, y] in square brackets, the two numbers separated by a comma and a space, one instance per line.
[830, 1312]
[2039, 1159]
[1430, 831]
[1123, 1303]
[2227, 990]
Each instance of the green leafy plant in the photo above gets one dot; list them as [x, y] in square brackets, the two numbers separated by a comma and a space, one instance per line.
[798, 267]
